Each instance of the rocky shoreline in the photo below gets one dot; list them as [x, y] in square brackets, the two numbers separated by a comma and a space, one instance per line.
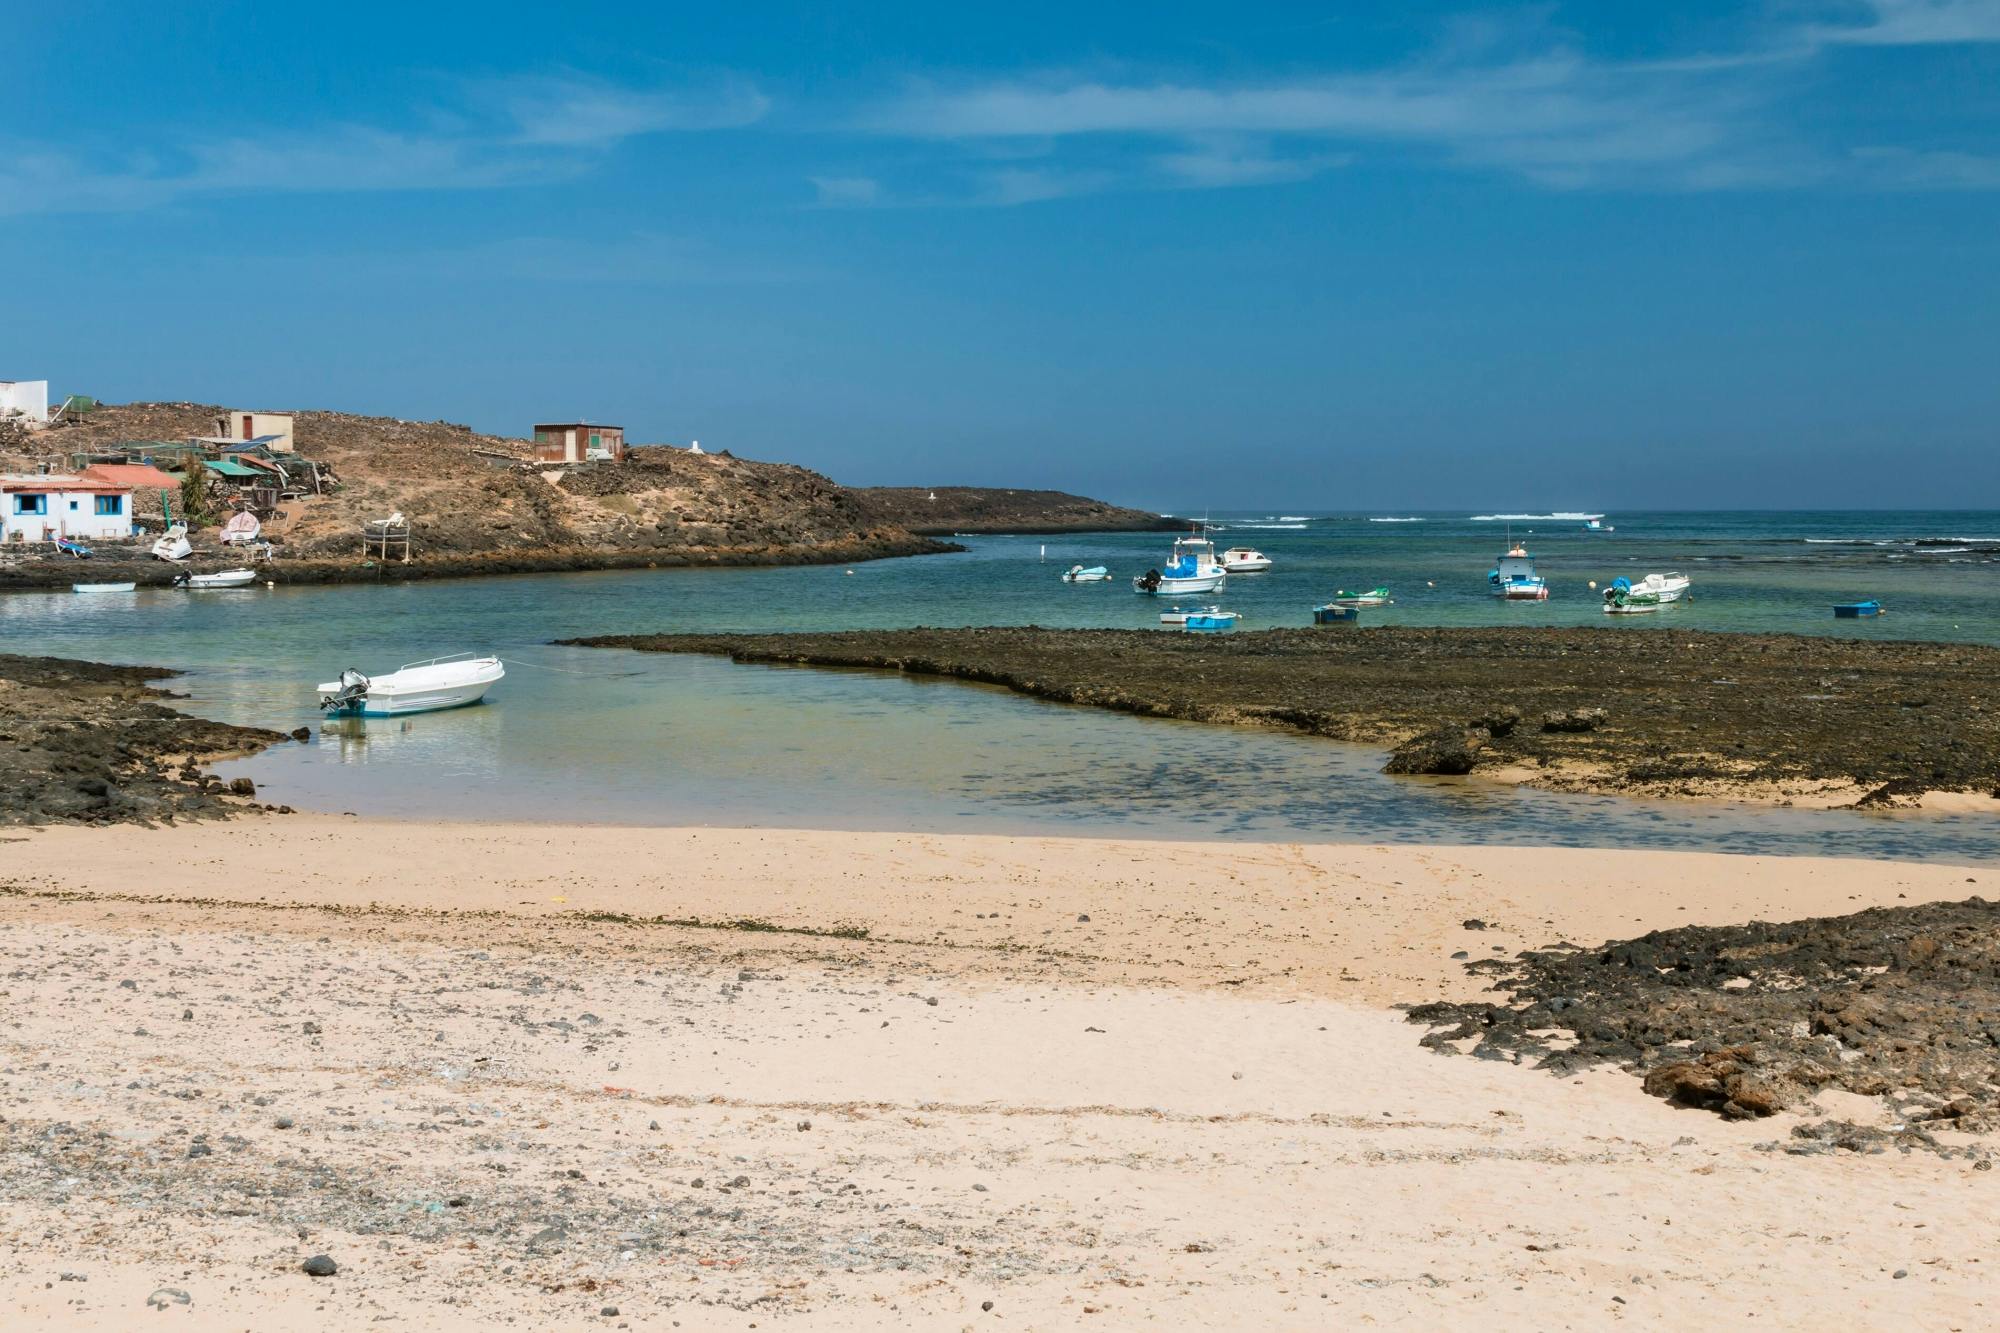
[1771, 717]
[54, 575]
[93, 744]
[991, 510]
[1749, 1020]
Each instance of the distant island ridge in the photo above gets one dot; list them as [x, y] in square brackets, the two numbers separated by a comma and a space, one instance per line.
[489, 504]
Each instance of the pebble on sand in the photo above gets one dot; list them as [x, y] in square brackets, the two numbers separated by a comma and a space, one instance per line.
[320, 1265]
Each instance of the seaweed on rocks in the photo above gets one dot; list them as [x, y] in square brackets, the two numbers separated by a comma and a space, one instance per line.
[1747, 1020]
[86, 743]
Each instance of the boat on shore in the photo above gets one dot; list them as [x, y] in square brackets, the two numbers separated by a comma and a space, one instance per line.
[1373, 597]
[173, 545]
[222, 578]
[1335, 613]
[1193, 568]
[1211, 619]
[416, 687]
[1515, 578]
[1078, 574]
[1244, 560]
[103, 587]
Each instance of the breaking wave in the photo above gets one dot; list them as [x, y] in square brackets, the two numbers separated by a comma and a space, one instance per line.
[1518, 518]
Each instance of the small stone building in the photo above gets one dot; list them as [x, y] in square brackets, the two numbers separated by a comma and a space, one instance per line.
[273, 429]
[577, 442]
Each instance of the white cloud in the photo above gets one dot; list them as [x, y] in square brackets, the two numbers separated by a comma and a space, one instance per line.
[847, 191]
[1918, 23]
[517, 133]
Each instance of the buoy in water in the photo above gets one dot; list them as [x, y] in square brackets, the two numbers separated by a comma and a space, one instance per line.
[850, 573]
[1593, 585]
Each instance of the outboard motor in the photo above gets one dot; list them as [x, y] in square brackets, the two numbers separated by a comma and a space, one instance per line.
[1151, 580]
[353, 689]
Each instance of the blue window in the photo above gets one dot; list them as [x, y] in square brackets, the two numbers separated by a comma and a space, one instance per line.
[110, 506]
[31, 504]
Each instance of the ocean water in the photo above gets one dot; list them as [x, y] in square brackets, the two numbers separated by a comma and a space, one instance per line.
[616, 737]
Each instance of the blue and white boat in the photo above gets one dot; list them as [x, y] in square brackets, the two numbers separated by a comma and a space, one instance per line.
[1335, 613]
[1515, 579]
[1596, 525]
[1211, 619]
[1858, 610]
[1078, 574]
[1193, 568]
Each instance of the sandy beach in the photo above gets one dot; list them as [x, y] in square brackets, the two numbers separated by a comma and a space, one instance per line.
[729, 1079]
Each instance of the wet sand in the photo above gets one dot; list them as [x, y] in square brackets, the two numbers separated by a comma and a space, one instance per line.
[729, 1077]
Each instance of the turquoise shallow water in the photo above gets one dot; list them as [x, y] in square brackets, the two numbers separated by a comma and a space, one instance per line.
[576, 734]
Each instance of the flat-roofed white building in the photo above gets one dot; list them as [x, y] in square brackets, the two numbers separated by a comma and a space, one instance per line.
[25, 398]
[273, 428]
[42, 508]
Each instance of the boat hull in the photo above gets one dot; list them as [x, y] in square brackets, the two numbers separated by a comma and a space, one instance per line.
[1180, 587]
[1336, 614]
[103, 587]
[1522, 592]
[423, 689]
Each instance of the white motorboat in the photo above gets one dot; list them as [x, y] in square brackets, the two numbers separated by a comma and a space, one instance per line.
[1243, 560]
[1178, 615]
[1078, 574]
[102, 587]
[416, 687]
[174, 545]
[1193, 568]
[222, 578]
[1666, 587]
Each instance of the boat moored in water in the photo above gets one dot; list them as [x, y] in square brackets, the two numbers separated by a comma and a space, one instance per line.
[1858, 610]
[1373, 597]
[1515, 579]
[1078, 574]
[103, 587]
[1243, 560]
[1624, 598]
[1178, 615]
[1193, 568]
[222, 578]
[1211, 619]
[416, 687]
[1666, 587]
[1336, 613]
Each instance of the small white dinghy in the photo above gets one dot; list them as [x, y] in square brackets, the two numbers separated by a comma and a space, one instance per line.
[1078, 574]
[103, 587]
[222, 578]
[1243, 560]
[418, 687]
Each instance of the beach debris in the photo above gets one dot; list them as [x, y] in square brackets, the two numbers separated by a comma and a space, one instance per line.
[163, 1297]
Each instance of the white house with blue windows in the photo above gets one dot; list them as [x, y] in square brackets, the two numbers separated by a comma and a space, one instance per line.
[43, 508]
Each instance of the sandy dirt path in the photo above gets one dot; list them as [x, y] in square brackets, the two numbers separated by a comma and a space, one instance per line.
[400, 1046]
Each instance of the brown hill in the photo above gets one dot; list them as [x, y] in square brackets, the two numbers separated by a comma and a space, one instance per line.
[944, 510]
[468, 495]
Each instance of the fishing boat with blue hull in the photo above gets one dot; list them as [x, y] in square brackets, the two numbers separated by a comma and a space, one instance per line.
[1193, 568]
[1858, 610]
[1211, 620]
[1336, 613]
[418, 687]
[1515, 579]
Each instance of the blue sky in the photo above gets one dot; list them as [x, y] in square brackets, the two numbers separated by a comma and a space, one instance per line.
[1361, 256]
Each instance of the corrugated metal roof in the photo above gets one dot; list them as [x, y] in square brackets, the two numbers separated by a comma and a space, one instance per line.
[229, 467]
